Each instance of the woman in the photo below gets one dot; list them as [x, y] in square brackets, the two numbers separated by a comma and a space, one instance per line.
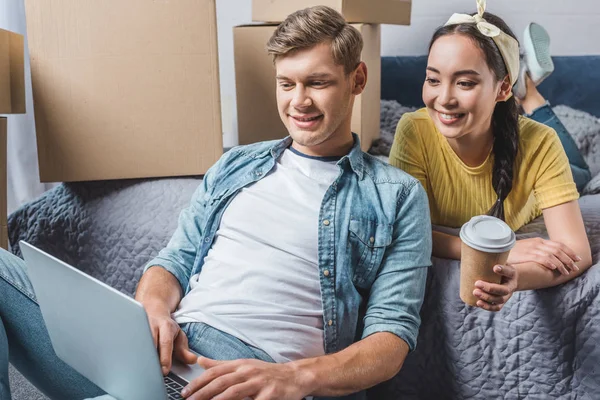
[474, 155]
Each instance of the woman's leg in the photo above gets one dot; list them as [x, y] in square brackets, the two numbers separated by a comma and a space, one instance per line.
[27, 342]
[537, 108]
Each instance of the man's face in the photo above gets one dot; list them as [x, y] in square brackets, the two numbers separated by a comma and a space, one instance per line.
[315, 99]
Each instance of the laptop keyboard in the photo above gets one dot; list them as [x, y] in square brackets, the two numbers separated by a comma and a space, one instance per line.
[174, 385]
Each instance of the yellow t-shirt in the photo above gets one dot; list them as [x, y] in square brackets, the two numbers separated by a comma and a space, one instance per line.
[542, 175]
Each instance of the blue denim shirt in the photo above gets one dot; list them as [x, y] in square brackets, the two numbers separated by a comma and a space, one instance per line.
[374, 240]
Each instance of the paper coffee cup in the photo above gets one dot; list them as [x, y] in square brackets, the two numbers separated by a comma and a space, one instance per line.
[486, 242]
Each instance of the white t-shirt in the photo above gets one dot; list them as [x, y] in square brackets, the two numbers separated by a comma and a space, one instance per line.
[260, 279]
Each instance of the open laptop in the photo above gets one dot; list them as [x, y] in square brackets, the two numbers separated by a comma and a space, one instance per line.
[100, 332]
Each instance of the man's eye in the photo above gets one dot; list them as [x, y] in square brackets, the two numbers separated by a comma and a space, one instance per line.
[318, 83]
[284, 85]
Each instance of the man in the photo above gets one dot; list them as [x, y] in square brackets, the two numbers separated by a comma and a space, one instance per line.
[286, 244]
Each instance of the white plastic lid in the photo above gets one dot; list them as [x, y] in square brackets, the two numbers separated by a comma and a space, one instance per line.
[489, 234]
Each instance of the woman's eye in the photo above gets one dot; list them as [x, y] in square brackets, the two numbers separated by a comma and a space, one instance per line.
[432, 81]
[467, 84]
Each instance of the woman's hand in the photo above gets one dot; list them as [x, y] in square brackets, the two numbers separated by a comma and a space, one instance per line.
[550, 254]
[492, 296]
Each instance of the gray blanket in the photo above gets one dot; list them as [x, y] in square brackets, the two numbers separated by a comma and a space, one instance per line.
[109, 229]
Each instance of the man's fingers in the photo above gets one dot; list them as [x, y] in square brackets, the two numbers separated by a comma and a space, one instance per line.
[240, 391]
[165, 349]
[155, 336]
[208, 363]
[213, 371]
[220, 388]
[182, 350]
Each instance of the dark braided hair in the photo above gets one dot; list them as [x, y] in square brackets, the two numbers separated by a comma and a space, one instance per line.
[505, 120]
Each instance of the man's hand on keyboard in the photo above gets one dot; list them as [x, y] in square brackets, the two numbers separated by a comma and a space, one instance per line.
[241, 379]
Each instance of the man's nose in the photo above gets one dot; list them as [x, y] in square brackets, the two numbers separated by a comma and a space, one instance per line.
[301, 98]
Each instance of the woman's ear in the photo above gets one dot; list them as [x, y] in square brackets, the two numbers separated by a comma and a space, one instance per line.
[505, 91]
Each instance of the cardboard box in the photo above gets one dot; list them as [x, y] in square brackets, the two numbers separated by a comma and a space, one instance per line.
[258, 118]
[12, 73]
[395, 12]
[124, 89]
[3, 191]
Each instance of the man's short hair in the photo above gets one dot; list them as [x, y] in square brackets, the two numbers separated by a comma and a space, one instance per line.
[307, 28]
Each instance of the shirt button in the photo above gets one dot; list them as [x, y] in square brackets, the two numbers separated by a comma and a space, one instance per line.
[207, 240]
[330, 322]
[326, 272]
[326, 222]
[372, 239]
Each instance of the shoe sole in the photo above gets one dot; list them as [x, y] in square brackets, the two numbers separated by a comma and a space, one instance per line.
[537, 42]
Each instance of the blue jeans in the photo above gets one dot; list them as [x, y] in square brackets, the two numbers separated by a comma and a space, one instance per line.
[25, 342]
[579, 168]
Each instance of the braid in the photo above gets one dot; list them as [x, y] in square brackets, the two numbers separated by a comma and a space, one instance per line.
[505, 126]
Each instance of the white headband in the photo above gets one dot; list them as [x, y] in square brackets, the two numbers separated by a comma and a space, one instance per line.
[508, 46]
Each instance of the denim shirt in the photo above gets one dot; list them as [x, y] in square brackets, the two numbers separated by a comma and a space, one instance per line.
[374, 243]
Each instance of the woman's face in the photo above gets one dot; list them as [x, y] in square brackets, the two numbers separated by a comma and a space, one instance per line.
[460, 89]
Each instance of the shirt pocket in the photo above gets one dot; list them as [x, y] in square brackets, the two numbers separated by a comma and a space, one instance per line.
[367, 243]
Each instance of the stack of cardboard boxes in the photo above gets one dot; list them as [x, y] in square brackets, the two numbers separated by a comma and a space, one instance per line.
[124, 89]
[12, 101]
[258, 118]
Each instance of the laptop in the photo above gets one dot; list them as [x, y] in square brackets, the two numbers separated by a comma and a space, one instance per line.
[100, 332]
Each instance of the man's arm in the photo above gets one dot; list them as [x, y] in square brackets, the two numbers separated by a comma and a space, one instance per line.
[160, 293]
[161, 287]
[364, 364]
[159, 290]
[163, 283]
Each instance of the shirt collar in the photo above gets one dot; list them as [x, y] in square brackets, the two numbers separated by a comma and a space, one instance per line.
[354, 157]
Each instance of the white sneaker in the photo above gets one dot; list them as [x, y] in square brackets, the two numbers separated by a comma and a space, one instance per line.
[536, 45]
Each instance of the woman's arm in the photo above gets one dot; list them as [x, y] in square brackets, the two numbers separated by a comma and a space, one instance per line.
[565, 225]
[566, 229]
[446, 246]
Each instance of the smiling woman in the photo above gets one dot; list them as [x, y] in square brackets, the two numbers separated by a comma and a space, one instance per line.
[474, 155]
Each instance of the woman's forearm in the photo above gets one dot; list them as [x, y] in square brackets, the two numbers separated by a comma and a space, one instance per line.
[446, 246]
[535, 276]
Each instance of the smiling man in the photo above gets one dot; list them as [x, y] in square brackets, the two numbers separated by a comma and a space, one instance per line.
[299, 267]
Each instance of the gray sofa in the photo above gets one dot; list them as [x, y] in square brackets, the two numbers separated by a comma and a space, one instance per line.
[542, 345]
